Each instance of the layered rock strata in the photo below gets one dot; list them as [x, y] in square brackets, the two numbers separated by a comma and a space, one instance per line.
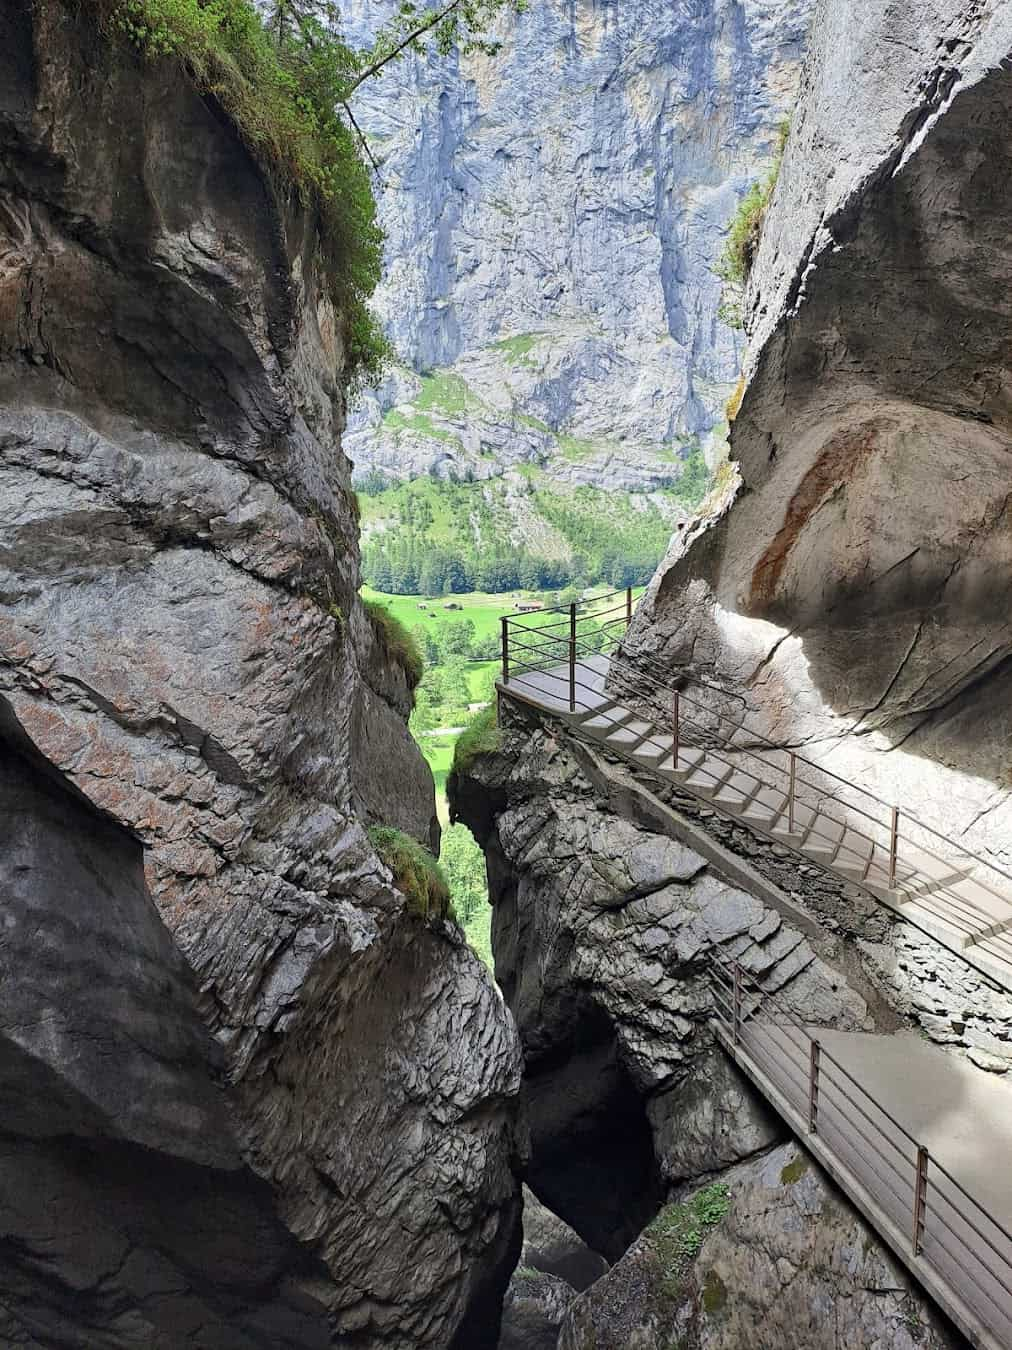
[181, 637]
[610, 905]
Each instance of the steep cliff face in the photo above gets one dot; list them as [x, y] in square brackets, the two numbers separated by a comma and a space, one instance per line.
[129, 1217]
[610, 902]
[553, 216]
[181, 636]
[855, 596]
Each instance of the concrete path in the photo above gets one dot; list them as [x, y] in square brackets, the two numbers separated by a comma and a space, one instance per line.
[970, 914]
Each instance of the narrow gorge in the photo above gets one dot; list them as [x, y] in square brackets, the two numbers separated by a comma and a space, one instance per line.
[736, 1070]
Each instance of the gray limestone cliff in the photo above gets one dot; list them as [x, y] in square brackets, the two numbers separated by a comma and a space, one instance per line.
[553, 216]
[180, 637]
[854, 595]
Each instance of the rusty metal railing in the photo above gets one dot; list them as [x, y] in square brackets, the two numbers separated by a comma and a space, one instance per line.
[958, 1249]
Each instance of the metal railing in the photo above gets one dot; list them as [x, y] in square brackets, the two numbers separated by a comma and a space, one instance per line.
[829, 820]
[959, 1250]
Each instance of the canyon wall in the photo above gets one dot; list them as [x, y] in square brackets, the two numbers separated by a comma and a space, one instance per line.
[854, 597]
[611, 898]
[181, 639]
[553, 216]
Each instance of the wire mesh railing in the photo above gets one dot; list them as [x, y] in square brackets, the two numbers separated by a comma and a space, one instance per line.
[821, 815]
[904, 1188]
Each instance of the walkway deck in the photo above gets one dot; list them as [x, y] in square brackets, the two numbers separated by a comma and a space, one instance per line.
[878, 1102]
[939, 895]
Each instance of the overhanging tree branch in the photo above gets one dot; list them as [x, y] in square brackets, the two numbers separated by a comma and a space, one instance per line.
[416, 33]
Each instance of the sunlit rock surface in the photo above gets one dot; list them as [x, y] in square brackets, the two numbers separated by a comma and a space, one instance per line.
[553, 216]
[855, 597]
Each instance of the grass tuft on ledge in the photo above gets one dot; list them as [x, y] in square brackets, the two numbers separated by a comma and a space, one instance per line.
[481, 737]
[416, 872]
[397, 641]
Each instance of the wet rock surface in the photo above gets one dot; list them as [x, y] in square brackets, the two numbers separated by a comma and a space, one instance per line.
[790, 1263]
[181, 637]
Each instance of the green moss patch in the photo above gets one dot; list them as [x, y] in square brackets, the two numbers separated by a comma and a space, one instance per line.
[416, 872]
[714, 1293]
[482, 737]
[678, 1232]
[794, 1170]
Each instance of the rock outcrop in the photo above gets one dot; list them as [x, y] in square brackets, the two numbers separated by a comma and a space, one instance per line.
[789, 1256]
[129, 1217]
[553, 217]
[854, 598]
[610, 903]
[181, 638]
[602, 931]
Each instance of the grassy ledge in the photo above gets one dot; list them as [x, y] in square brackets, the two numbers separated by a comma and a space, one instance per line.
[482, 737]
[397, 642]
[745, 229]
[416, 872]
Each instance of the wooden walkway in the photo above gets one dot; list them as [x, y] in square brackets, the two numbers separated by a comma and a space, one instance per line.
[918, 1139]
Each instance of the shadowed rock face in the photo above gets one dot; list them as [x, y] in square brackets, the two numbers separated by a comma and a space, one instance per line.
[181, 636]
[128, 1215]
[858, 586]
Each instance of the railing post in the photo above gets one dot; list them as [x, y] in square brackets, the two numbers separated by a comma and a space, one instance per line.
[628, 606]
[894, 834]
[920, 1198]
[674, 733]
[505, 649]
[790, 793]
[572, 658]
[814, 1060]
[736, 1005]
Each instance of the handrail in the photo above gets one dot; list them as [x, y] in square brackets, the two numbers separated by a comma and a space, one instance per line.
[638, 677]
[951, 909]
[929, 1204]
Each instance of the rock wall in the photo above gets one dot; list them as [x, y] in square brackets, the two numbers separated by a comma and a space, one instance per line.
[790, 1263]
[181, 637]
[854, 597]
[609, 903]
[129, 1217]
[553, 216]
[602, 931]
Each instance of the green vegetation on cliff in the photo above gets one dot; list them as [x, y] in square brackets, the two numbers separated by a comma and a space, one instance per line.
[398, 643]
[283, 77]
[415, 872]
